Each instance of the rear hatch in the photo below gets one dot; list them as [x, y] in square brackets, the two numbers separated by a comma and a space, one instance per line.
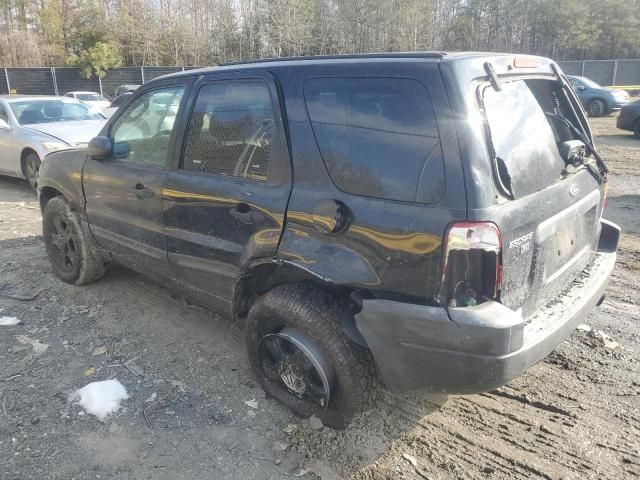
[546, 210]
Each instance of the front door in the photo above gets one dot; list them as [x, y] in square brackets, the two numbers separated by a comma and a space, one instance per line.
[225, 200]
[123, 193]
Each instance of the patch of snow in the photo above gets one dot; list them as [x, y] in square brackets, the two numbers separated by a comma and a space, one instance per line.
[583, 327]
[37, 345]
[253, 403]
[101, 398]
[8, 321]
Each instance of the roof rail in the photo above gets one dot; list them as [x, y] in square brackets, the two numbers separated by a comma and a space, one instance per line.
[342, 57]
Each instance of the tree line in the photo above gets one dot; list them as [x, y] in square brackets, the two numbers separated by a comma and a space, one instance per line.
[98, 34]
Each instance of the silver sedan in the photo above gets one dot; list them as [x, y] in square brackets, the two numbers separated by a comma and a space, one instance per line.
[32, 127]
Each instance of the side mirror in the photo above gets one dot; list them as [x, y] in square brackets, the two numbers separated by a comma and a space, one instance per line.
[4, 125]
[100, 148]
[581, 88]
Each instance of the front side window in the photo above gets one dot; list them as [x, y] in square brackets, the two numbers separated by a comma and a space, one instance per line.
[378, 137]
[231, 130]
[143, 131]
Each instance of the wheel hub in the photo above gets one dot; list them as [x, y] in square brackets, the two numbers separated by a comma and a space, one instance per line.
[298, 364]
[292, 378]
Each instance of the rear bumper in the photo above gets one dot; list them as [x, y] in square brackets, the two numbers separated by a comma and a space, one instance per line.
[625, 120]
[476, 349]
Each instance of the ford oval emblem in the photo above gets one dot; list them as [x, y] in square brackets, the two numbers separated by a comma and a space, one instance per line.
[574, 190]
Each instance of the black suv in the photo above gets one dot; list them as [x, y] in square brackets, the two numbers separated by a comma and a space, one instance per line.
[430, 219]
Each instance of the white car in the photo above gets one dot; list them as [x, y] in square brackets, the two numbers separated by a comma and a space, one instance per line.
[92, 99]
[32, 127]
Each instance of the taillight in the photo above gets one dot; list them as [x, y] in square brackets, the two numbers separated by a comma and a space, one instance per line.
[472, 268]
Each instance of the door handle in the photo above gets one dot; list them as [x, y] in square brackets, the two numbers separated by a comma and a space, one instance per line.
[142, 192]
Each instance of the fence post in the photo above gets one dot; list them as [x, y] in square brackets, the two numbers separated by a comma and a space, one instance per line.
[142, 74]
[6, 77]
[55, 80]
[615, 72]
[582, 71]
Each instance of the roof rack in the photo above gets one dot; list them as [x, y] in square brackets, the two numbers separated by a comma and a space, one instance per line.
[342, 57]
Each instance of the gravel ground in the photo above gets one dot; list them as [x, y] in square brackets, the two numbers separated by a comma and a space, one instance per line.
[575, 415]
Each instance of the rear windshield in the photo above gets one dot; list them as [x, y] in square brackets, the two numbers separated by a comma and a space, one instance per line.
[90, 97]
[378, 137]
[524, 140]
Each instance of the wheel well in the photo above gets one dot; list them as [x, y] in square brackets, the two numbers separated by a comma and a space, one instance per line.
[263, 278]
[46, 194]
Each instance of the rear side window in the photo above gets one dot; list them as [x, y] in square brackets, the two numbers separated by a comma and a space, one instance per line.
[378, 137]
[231, 130]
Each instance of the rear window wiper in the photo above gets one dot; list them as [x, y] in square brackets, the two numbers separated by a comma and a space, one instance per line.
[598, 168]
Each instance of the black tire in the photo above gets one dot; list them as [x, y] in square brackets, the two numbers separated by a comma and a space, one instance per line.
[317, 316]
[32, 169]
[636, 129]
[72, 251]
[596, 108]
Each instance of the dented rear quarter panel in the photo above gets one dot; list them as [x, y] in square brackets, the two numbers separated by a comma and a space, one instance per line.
[392, 249]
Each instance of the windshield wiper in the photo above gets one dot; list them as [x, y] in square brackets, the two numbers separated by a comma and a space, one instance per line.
[598, 168]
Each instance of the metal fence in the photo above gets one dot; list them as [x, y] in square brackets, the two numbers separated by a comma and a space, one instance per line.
[59, 80]
[606, 72]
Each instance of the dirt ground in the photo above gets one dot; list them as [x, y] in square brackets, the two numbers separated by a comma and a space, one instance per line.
[575, 415]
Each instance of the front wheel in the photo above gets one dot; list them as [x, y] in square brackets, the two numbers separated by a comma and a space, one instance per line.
[32, 169]
[596, 108]
[301, 356]
[73, 253]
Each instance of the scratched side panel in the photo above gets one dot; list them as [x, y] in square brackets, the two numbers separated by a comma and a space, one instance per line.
[63, 172]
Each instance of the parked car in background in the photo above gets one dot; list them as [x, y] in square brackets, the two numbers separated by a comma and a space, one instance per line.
[90, 98]
[116, 103]
[362, 263]
[596, 99]
[32, 127]
[127, 88]
[629, 118]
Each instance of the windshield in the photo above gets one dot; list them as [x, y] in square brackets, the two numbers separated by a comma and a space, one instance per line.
[29, 112]
[523, 140]
[90, 97]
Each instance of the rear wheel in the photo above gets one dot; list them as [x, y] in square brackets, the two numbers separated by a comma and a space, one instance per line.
[636, 129]
[73, 253]
[596, 108]
[301, 356]
[32, 169]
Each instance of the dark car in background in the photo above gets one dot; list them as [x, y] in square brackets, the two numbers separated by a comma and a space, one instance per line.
[127, 88]
[388, 222]
[629, 118]
[596, 99]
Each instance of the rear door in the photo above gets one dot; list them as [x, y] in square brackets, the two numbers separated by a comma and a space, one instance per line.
[224, 202]
[123, 193]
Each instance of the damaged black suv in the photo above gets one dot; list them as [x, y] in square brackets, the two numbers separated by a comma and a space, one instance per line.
[431, 220]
